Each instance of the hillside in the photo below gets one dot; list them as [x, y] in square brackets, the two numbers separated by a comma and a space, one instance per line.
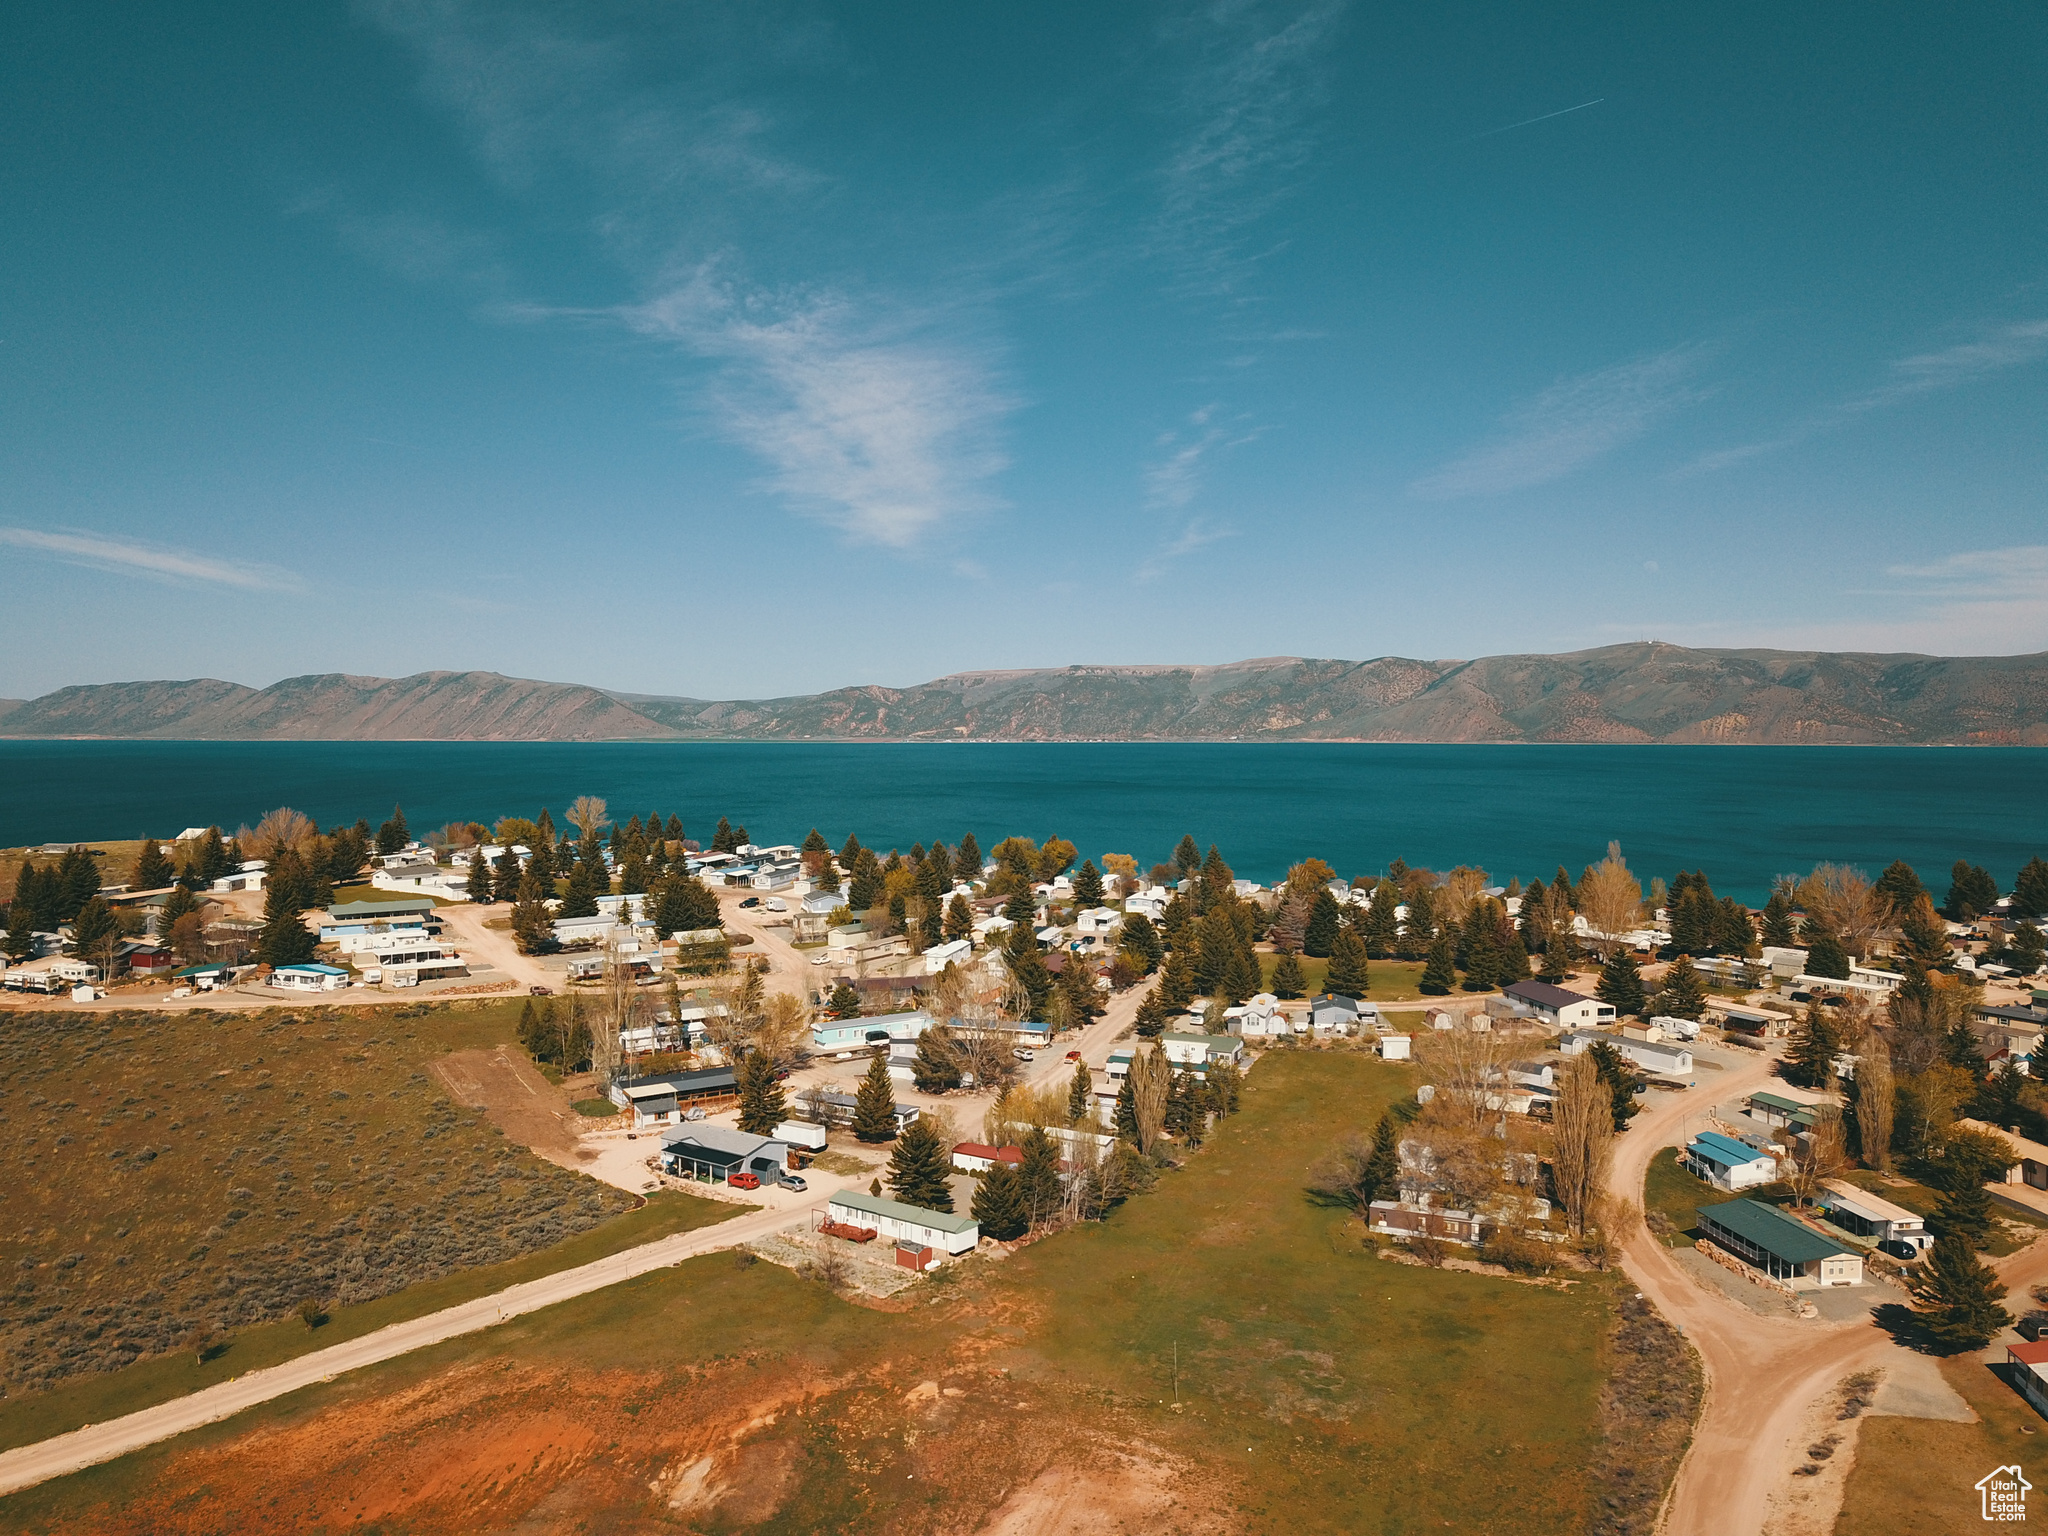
[1645, 692]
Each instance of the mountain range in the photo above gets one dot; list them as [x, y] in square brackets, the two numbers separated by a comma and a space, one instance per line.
[1645, 692]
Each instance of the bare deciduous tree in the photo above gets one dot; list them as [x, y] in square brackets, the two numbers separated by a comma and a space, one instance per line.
[588, 815]
[1843, 900]
[1460, 889]
[1874, 1103]
[1583, 1127]
[1151, 1081]
[784, 1032]
[1818, 1156]
[1611, 899]
[278, 830]
[1467, 1070]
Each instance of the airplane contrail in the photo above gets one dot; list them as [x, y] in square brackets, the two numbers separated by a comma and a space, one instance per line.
[1546, 117]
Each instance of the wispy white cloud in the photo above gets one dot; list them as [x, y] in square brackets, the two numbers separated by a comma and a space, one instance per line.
[1172, 481]
[1194, 536]
[1998, 350]
[1250, 96]
[1570, 424]
[885, 430]
[105, 552]
[2009, 346]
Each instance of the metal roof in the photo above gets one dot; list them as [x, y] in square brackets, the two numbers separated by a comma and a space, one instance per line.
[1771, 1230]
[915, 1215]
[349, 909]
[1544, 995]
[1724, 1150]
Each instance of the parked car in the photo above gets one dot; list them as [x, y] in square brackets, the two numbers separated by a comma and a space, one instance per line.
[794, 1181]
[751, 901]
[542, 991]
[1025, 1053]
[744, 1180]
[694, 1112]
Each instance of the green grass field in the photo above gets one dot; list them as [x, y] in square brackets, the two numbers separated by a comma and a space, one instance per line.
[366, 892]
[115, 858]
[1321, 1389]
[1676, 1194]
[160, 1171]
[1387, 981]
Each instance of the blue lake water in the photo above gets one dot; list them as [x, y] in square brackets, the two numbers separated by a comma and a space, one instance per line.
[1743, 814]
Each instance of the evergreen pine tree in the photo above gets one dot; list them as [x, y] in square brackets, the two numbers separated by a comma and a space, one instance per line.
[1957, 1298]
[1027, 964]
[1557, 957]
[394, 834]
[722, 840]
[78, 881]
[998, 1205]
[481, 885]
[874, 1104]
[1825, 955]
[1126, 1113]
[919, 1167]
[94, 924]
[1348, 974]
[959, 919]
[1179, 1107]
[1900, 887]
[1141, 942]
[762, 1106]
[533, 1031]
[1814, 1046]
[1187, 858]
[1382, 1180]
[1077, 985]
[1088, 885]
[936, 1067]
[152, 869]
[2030, 890]
[1382, 929]
[1964, 1212]
[1038, 1176]
[1080, 1095]
[1777, 921]
[285, 940]
[1621, 985]
[1440, 974]
[1240, 978]
[532, 928]
[1683, 994]
[967, 860]
[1418, 933]
[1325, 917]
[1287, 982]
[1176, 986]
[1620, 1079]
[1152, 1015]
[844, 1003]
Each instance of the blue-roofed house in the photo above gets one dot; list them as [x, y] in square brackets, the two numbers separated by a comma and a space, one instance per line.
[1727, 1163]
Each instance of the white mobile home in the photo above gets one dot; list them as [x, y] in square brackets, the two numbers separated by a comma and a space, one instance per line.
[904, 1223]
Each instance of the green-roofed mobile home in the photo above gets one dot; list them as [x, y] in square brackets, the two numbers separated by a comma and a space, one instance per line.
[1778, 1245]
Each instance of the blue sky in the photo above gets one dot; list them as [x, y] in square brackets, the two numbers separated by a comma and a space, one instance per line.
[733, 350]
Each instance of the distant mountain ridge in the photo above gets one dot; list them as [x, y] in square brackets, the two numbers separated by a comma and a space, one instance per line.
[1646, 692]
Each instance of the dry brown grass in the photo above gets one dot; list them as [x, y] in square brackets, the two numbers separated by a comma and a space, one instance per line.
[163, 1172]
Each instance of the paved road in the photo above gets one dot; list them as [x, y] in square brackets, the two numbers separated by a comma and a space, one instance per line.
[1763, 1374]
[30, 1464]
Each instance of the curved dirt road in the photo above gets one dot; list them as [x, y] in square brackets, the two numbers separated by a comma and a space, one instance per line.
[1763, 1374]
[30, 1464]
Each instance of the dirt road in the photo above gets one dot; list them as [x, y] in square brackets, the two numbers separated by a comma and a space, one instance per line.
[30, 1464]
[1763, 1374]
[465, 925]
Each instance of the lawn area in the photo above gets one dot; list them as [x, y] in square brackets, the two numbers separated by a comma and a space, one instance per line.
[97, 1398]
[167, 1170]
[1350, 1393]
[1916, 1477]
[1668, 1188]
[1322, 1389]
[366, 892]
[1387, 981]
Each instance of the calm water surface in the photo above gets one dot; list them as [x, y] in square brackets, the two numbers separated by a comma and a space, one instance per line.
[1743, 814]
